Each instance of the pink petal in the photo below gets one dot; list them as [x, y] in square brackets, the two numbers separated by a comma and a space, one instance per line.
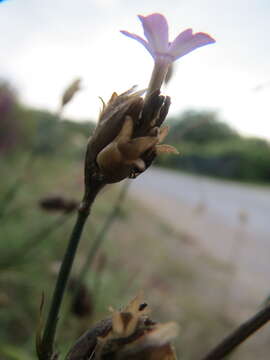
[183, 36]
[187, 42]
[155, 28]
[140, 39]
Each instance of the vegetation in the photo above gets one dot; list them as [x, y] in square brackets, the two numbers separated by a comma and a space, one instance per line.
[211, 147]
[206, 144]
[41, 156]
[25, 275]
[40, 131]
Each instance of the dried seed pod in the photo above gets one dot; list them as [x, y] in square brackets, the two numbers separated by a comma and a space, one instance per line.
[128, 334]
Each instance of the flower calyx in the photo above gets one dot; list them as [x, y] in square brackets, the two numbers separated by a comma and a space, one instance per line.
[128, 135]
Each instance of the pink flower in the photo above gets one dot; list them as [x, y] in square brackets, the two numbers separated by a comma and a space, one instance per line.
[155, 28]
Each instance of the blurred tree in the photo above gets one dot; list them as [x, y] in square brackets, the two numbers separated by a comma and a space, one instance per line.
[209, 146]
[200, 127]
[34, 130]
[9, 123]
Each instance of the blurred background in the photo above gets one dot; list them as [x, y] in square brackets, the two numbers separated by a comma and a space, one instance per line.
[195, 226]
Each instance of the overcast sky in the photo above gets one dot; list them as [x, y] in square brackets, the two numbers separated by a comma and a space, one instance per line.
[45, 44]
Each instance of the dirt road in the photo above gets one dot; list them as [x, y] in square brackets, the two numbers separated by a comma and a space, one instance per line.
[229, 221]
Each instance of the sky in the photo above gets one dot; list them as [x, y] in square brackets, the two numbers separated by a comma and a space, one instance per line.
[45, 44]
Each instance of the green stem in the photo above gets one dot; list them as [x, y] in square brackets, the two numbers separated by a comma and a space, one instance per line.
[102, 234]
[46, 350]
[239, 335]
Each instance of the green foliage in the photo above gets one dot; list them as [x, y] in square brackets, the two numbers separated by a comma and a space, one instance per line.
[12, 352]
[9, 122]
[208, 146]
[151, 263]
[51, 135]
[25, 275]
[200, 127]
[23, 128]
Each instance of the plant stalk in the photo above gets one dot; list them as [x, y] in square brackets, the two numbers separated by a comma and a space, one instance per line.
[98, 241]
[239, 335]
[46, 351]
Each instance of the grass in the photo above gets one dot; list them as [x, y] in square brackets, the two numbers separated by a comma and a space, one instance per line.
[180, 282]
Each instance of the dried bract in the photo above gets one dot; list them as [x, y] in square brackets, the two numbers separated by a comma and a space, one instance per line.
[128, 334]
[127, 137]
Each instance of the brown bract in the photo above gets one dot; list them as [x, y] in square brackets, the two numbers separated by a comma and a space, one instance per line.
[128, 136]
[128, 334]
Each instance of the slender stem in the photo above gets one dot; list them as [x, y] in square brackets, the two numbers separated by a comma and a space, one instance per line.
[50, 327]
[98, 240]
[239, 335]
[102, 234]
[46, 350]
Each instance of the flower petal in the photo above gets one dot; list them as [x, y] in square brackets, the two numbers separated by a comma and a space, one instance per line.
[187, 42]
[182, 37]
[155, 28]
[140, 39]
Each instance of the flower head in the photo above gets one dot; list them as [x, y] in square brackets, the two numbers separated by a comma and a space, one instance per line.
[155, 28]
[129, 132]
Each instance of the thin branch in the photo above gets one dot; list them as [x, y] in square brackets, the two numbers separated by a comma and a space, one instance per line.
[98, 241]
[239, 335]
[46, 349]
